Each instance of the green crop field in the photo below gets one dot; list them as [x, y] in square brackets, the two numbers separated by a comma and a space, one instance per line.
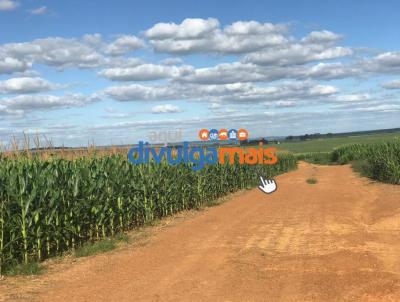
[328, 144]
[51, 206]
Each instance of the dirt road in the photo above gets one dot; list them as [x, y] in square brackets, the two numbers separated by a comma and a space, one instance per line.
[337, 240]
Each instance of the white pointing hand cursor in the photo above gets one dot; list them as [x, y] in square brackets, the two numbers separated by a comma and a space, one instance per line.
[267, 186]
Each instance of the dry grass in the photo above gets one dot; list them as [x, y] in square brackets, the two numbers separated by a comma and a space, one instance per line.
[42, 147]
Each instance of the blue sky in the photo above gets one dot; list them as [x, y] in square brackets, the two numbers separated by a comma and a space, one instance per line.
[111, 72]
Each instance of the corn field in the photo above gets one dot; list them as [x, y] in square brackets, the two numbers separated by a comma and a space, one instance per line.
[382, 159]
[51, 206]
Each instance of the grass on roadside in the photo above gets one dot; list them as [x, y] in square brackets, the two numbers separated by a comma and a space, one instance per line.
[32, 268]
[362, 167]
[319, 158]
[101, 246]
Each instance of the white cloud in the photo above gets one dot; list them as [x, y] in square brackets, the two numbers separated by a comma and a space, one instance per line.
[328, 71]
[42, 10]
[8, 5]
[25, 85]
[94, 40]
[384, 63]
[172, 61]
[356, 97]
[9, 64]
[167, 108]
[235, 72]
[90, 51]
[57, 52]
[392, 85]
[29, 73]
[137, 92]
[188, 29]
[228, 93]
[144, 72]
[205, 35]
[254, 28]
[227, 73]
[124, 44]
[122, 62]
[295, 54]
[318, 37]
[381, 108]
[245, 66]
[46, 102]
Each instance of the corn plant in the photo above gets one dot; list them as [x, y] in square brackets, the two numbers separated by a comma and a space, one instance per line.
[382, 159]
[51, 206]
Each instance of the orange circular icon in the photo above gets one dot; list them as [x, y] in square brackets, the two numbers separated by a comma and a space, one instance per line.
[223, 134]
[243, 134]
[204, 134]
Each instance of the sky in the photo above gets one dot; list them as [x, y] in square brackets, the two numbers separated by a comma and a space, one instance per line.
[114, 72]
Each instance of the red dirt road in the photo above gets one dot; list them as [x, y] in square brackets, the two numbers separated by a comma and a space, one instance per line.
[337, 240]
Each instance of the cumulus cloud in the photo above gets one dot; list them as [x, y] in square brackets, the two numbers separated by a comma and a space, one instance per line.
[206, 35]
[90, 51]
[295, 54]
[250, 65]
[94, 40]
[167, 108]
[124, 44]
[138, 92]
[7, 5]
[57, 52]
[328, 71]
[226, 73]
[387, 63]
[24, 85]
[9, 64]
[144, 72]
[26, 103]
[228, 93]
[318, 37]
[188, 29]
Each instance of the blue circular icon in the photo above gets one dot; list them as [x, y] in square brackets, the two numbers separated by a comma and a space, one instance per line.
[213, 135]
[233, 134]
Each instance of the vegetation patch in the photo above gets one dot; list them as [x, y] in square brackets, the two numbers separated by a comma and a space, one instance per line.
[319, 158]
[379, 161]
[93, 248]
[363, 167]
[311, 181]
[67, 205]
[27, 269]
